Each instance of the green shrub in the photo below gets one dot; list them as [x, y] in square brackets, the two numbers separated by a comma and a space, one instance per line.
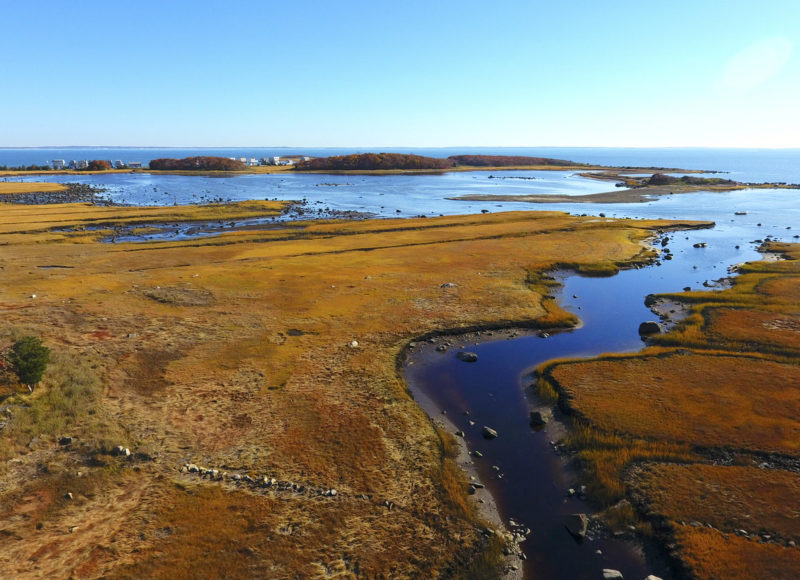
[29, 358]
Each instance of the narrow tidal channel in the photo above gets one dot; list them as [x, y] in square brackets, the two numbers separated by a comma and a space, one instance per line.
[527, 479]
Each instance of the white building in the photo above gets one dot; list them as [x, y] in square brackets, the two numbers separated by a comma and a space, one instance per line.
[276, 160]
[134, 164]
[58, 164]
[119, 164]
[252, 161]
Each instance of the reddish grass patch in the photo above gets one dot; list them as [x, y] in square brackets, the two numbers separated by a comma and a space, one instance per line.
[701, 399]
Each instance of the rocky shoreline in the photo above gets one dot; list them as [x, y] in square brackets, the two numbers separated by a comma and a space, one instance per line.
[75, 193]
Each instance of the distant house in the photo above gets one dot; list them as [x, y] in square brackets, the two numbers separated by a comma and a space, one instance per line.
[58, 164]
[252, 161]
[80, 164]
[306, 158]
[119, 164]
[264, 161]
[276, 161]
[134, 164]
[243, 159]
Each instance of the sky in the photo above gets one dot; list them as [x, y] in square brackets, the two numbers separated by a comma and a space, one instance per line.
[353, 73]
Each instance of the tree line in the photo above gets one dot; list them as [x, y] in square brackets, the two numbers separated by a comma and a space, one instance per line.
[205, 163]
[386, 161]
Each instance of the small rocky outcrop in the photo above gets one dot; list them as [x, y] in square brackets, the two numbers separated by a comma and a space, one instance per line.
[467, 356]
[489, 433]
[650, 328]
[609, 574]
[541, 418]
[577, 525]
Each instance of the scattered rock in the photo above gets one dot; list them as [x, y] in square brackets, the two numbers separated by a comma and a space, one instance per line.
[700, 245]
[609, 574]
[353, 344]
[541, 418]
[649, 328]
[448, 285]
[122, 451]
[65, 440]
[192, 468]
[441, 348]
[489, 433]
[577, 525]
[459, 433]
[68, 495]
[467, 356]
[73, 529]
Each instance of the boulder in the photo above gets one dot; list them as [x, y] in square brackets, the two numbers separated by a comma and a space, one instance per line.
[652, 577]
[489, 433]
[609, 574]
[541, 418]
[577, 525]
[467, 356]
[649, 328]
[65, 440]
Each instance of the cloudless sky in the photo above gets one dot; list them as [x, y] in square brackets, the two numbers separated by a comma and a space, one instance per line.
[400, 73]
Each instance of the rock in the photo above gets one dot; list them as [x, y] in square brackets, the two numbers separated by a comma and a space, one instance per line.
[353, 344]
[489, 433]
[477, 454]
[119, 450]
[459, 433]
[65, 440]
[192, 468]
[68, 495]
[577, 525]
[652, 577]
[609, 574]
[649, 328]
[700, 245]
[541, 418]
[441, 348]
[73, 529]
[687, 288]
[448, 285]
[467, 356]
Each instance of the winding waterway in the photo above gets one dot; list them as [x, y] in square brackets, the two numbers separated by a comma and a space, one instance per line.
[528, 480]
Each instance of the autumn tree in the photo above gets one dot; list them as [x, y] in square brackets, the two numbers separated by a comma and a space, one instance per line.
[98, 165]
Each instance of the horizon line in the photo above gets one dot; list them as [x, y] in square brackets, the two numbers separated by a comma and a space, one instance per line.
[5, 147]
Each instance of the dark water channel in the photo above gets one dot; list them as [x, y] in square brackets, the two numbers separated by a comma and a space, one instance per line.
[528, 480]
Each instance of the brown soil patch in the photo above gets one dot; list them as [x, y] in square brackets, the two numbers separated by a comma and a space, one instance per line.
[716, 556]
[759, 501]
[706, 400]
[753, 329]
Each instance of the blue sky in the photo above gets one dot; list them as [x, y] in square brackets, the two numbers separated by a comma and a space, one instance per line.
[412, 73]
